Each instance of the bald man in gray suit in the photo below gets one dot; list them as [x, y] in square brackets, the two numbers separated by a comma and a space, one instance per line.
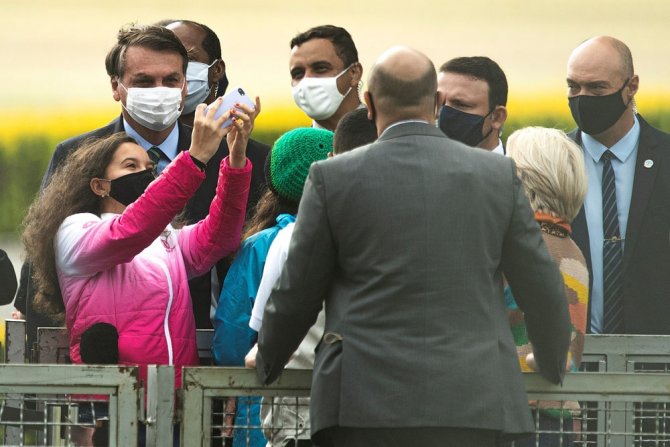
[406, 241]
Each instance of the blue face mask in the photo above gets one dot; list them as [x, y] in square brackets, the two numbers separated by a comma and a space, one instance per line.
[461, 126]
[197, 79]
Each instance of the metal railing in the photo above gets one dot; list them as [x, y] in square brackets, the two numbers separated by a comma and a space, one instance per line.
[201, 386]
[620, 404]
[626, 353]
[44, 400]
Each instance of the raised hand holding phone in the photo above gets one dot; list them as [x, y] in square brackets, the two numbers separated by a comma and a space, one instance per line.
[232, 100]
[244, 114]
[208, 132]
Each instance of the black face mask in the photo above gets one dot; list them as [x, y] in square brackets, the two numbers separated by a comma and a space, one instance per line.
[128, 188]
[596, 114]
[461, 126]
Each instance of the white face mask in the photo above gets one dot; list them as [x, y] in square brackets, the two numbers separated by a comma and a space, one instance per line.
[155, 108]
[197, 79]
[319, 98]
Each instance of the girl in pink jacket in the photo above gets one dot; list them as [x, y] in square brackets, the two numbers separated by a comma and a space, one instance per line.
[102, 231]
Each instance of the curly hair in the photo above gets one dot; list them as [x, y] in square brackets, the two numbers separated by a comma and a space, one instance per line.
[269, 206]
[68, 192]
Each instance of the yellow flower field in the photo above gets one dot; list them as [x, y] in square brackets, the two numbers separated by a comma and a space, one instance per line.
[64, 123]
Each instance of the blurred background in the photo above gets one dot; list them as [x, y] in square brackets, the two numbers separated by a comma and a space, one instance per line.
[53, 82]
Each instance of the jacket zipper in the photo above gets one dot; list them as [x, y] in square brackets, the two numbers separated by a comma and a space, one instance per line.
[166, 326]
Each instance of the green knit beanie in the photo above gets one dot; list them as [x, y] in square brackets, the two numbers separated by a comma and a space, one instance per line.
[292, 155]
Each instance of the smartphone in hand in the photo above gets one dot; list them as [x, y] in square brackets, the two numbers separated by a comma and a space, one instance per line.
[236, 95]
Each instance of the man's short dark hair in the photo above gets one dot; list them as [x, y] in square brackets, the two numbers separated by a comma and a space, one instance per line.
[156, 38]
[211, 44]
[483, 68]
[339, 37]
[354, 130]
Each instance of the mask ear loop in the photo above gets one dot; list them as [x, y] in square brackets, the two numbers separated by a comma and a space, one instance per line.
[216, 84]
[491, 129]
[343, 72]
[631, 99]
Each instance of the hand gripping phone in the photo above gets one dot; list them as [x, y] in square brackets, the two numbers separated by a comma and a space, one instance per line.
[236, 95]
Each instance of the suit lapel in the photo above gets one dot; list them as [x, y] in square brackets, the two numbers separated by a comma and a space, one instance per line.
[184, 141]
[580, 230]
[117, 125]
[643, 184]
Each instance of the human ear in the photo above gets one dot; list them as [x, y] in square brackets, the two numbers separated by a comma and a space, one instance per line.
[100, 187]
[356, 74]
[367, 97]
[498, 117]
[114, 80]
[633, 85]
[440, 100]
[217, 71]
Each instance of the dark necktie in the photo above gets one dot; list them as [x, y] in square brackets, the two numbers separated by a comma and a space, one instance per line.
[612, 253]
[158, 157]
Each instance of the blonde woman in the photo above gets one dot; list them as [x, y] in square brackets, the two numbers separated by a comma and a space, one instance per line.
[551, 169]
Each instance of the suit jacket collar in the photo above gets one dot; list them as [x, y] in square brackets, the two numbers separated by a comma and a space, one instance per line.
[410, 128]
[117, 125]
[184, 141]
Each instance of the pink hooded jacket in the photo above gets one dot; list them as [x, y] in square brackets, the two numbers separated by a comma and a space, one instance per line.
[132, 269]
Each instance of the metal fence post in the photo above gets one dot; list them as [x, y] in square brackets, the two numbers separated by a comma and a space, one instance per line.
[15, 352]
[193, 412]
[160, 405]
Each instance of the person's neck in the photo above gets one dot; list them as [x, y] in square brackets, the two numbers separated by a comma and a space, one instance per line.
[490, 143]
[351, 102]
[154, 137]
[109, 205]
[619, 130]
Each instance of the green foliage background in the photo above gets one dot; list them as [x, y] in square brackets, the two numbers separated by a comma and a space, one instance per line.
[23, 164]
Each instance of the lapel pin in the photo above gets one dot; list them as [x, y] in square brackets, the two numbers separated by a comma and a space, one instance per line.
[648, 163]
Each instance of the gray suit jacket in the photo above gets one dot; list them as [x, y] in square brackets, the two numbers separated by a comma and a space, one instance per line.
[406, 241]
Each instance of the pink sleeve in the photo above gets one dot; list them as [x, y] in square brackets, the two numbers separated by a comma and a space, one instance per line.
[218, 234]
[95, 244]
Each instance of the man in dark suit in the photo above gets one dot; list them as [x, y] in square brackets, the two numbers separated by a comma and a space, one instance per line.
[406, 240]
[149, 60]
[624, 228]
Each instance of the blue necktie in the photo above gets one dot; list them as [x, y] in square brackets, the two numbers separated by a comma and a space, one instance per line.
[158, 157]
[612, 253]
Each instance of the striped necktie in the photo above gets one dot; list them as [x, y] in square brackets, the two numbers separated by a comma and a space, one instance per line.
[612, 253]
[158, 157]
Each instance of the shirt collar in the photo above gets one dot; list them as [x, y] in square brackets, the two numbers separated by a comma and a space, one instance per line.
[621, 150]
[499, 149]
[168, 146]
